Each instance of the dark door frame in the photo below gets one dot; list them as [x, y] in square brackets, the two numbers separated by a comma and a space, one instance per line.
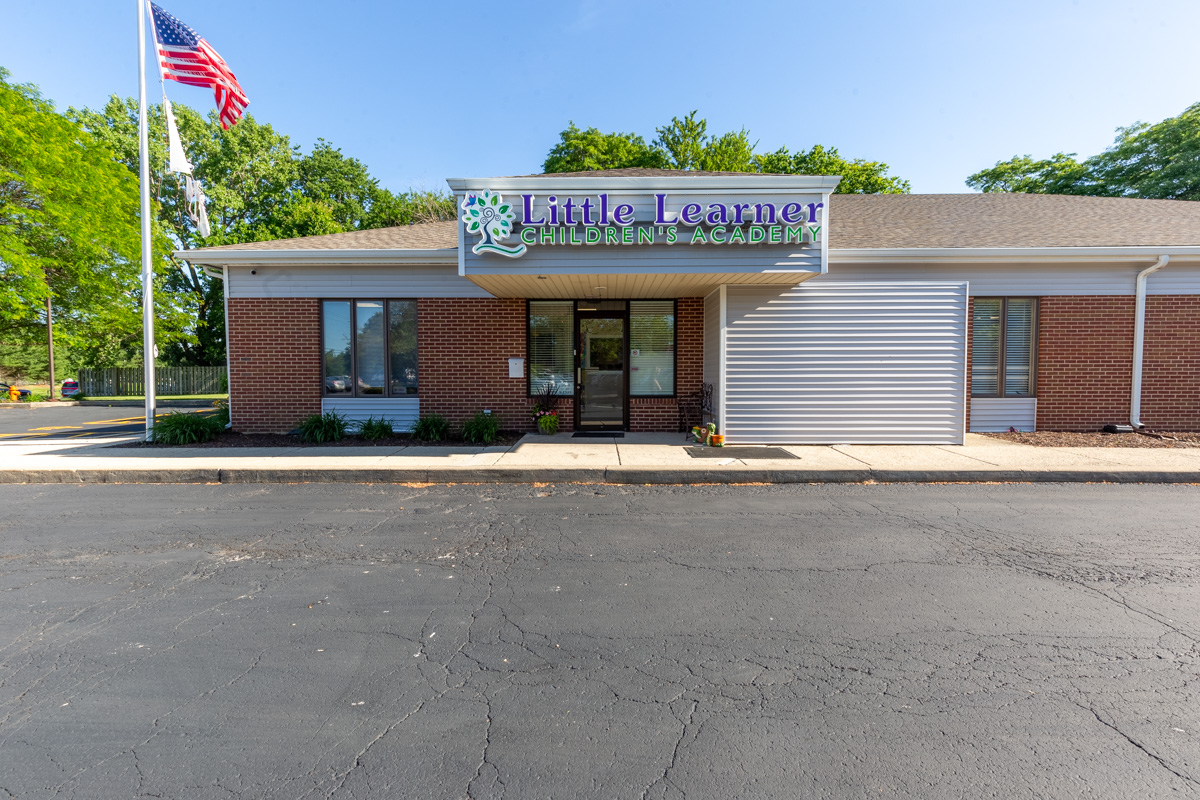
[624, 317]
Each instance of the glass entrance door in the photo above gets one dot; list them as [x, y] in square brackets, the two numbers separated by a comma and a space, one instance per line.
[601, 373]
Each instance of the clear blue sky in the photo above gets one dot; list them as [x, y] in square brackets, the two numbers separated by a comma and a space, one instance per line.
[425, 91]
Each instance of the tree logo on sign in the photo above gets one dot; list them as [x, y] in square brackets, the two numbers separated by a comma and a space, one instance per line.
[488, 215]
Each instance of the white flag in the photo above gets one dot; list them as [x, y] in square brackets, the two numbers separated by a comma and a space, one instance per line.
[195, 206]
[179, 162]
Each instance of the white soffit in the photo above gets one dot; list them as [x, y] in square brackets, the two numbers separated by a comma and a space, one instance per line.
[634, 287]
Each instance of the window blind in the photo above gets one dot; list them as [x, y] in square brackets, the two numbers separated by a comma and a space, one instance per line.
[985, 346]
[552, 346]
[652, 348]
[1018, 347]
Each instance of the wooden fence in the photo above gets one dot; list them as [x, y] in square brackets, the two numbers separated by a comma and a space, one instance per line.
[118, 381]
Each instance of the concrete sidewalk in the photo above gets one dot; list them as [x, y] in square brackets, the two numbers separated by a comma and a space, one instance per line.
[636, 458]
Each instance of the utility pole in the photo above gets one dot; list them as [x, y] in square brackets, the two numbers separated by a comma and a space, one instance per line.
[50, 343]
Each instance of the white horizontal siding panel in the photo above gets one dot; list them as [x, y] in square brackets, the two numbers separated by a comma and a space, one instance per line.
[400, 280]
[401, 411]
[1014, 280]
[834, 362]
[998, 414]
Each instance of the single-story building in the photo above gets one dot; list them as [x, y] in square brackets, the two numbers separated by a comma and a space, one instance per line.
[791, 314]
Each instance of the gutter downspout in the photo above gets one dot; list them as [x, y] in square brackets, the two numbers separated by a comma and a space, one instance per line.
[228, 363]
[1139, 341]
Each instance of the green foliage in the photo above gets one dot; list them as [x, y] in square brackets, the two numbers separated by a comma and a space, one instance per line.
[320, 428]
[372, 428]
[1055, 175]
[481, 428]
[685, 144]
[684, 141]
[431, 428]
[1160, 161]
[183, 427]
[858, 176]
[68, 231]
[585, 150]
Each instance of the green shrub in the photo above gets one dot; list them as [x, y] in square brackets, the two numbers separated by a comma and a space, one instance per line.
[222, 413]
[372, 428]
[481, 429]
[320, 428]
[182, 427]
[431, 428]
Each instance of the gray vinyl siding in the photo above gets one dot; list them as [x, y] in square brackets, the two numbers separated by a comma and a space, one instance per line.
[402, 411]
[834, 362]
[400, 280]
[712, 348]
[1002, 413]
[1030, 280]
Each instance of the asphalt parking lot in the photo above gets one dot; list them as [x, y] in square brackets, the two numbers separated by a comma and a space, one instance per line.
[345, 641]
[25, 422]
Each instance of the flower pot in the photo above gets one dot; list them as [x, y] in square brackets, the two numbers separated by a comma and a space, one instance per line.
[547, 425]
[717, 440]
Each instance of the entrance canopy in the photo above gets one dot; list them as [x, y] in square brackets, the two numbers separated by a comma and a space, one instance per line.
[640, 233]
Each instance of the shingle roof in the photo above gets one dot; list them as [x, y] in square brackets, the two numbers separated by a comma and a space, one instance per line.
[426, 236]
[1009, 220]
[641, 172]
[895, 221]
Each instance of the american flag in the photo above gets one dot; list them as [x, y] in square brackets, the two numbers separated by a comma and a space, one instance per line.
[185, 57]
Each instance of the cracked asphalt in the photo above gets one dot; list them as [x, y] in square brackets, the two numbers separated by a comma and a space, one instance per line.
[570, 641]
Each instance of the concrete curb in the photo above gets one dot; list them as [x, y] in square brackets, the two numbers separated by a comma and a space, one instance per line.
[42, 404]
[142, 403]
[620, 475]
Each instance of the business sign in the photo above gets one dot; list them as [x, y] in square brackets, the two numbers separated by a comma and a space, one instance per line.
[597, 220]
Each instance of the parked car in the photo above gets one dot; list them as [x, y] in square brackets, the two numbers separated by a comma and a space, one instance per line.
[22, 394]
[70, 389]
[335, 384]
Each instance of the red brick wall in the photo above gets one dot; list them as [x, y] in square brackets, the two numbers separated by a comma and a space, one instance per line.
[463, 351]
[1171, 363]
[662, 413]
[1085, 362]
[274, 363]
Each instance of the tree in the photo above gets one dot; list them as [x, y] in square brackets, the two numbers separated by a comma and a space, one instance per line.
[585, 150]
[1160, 161]
[68, 232]
[858, 176]
[685, 144]
[1055, 175]
[259, 187]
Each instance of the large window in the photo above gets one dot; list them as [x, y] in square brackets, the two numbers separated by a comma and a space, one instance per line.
[369, 347]
[1004, 347]
[652, 348]
[552, 346]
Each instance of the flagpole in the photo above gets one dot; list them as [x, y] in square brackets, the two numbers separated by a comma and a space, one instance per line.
[148, 349]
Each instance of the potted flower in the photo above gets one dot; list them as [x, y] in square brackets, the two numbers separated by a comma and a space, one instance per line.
[543, 413]
[547, 421]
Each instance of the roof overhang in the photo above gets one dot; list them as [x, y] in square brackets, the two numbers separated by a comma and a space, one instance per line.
[253, 258]
[661, 286]
[1009, 255]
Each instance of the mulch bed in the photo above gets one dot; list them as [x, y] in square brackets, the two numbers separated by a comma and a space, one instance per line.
[1100, 439]
[234, 439]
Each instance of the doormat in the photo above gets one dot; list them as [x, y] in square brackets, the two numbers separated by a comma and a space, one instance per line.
[598, 435]
[739, 452]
